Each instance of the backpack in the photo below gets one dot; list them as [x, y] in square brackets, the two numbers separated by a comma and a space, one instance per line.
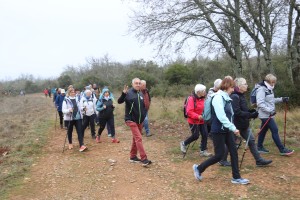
[253, 94]
[206, 115]
[185, 105]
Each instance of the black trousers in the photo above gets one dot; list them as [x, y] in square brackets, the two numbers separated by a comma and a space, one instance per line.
[109, 122]
[196, 129]
[219, 141]
[78, 126]
[61, 117]
[89, 120]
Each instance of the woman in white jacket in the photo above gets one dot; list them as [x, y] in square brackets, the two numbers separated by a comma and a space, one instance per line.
[88, 105]
[73, 114]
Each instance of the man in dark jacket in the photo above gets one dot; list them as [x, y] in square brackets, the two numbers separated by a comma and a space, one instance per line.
[135, 113]
[242, 115]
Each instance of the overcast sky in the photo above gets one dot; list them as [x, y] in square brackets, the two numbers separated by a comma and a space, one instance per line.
[41, 37]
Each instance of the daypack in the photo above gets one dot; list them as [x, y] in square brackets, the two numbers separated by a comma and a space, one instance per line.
[253, 94]
[185, 105]
[206, 115]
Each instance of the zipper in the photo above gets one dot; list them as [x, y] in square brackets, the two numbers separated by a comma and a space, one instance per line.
[131, 108]
[139, 107]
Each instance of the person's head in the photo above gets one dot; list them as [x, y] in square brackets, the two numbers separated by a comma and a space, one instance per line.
[106, 92]
[136, 83]
[200, 90]
[77, 91]
[217, 84]
[88, 93]
[241, 84]
[271, 79]
[95, 86]
[70, 86]
[227, 85]
[143, 84]
[71, 92]
[62, 92]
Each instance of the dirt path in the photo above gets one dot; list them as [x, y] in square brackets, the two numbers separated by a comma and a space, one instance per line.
[90, 175]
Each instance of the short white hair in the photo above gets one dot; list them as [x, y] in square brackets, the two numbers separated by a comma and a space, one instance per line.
[200, 88]
[239, 81]
[217, 83]
[134, 80]
[88, 92]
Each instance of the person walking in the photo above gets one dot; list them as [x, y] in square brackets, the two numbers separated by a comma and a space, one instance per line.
[135, 113]
[105, 108]
[88, 105]
[73, 114]
[194, 110]
[46, 92]
[147, 101]
[222, 130]
[241, 118]
[266, 100]
[58, 103]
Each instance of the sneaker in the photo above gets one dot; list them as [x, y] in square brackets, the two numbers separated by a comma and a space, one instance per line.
[286, 152]
[182, 147]
[70, 146]
[149, 135]
[146, 162]
[197, 173]
[262, 150]
[109, 135]
[262, 162]
[114, 140]
[82, 148]
[242, 181]
[98, 139]
[205, 153]
[225, 163]
[134, 160]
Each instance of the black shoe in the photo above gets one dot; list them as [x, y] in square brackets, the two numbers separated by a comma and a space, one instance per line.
[225, 163]
[93, 136]
[262, 150]
[146, 162]
[134, 160]
[262, 162]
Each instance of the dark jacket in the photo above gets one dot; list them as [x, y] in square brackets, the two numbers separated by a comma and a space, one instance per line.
[59, 101]
[240, 109]
[108, 111]
[134, 106]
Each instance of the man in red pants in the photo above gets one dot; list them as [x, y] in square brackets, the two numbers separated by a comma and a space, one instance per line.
[135, 113]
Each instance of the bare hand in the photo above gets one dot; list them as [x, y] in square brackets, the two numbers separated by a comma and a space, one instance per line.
[200, 117]
[125, 90]
[104, 106]
[71, 110]
[236, 132]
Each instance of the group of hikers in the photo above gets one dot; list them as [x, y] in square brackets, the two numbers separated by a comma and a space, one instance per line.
[230, 119]
[82, 109]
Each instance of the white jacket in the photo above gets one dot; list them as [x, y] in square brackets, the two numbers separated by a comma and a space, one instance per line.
[66, 106]
[90, 106]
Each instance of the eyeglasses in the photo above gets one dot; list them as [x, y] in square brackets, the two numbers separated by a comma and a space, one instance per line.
[137, 83]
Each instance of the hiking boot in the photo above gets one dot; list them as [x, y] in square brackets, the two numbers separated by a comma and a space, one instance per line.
[197, 173]
[98, 139]
[262, 162]
[82, 148]
[114, 140]
[262, 150]
[205, 153]
[242, 181]
[70, 146]
[134, 160]
[286, 152]
[225, 163]
[146, 162]
[182, 147]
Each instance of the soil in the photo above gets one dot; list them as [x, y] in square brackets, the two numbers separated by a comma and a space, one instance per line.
[104, 171]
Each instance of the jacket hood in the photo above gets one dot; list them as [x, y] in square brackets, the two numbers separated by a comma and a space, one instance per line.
[224, 95]
[111, 96]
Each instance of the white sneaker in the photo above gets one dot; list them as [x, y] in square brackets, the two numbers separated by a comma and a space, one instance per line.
[205, 153]
[182, 147]
[242, 181]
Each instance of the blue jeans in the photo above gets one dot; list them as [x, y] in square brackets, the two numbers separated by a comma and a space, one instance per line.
[146, 124]
[274, 130]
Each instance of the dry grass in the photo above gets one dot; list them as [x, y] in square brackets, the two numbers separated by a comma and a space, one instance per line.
[23, 131]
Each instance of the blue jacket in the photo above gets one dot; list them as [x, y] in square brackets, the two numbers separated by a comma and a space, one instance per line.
[222, 115]
[59, 101]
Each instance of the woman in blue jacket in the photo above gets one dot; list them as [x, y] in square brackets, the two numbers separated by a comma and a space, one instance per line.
[222, 130]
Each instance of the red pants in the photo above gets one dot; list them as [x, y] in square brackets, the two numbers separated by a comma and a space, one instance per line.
[137, 144]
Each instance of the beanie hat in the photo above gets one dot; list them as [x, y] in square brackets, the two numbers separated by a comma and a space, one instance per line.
[199, 88]
[217, 83]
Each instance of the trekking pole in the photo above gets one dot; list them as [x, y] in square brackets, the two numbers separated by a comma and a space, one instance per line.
[284, 132]
[188, 148]
[247, 143]
[264, 125]
[55, 119]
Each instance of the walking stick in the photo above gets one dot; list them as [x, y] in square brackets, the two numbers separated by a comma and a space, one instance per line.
[188, 148]
[264, 125]
[55, 120]
[284, 133]
[247, 143]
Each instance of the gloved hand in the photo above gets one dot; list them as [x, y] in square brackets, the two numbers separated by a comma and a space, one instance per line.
[254, 115]
[252, 110]
[285, 99]
[272, 113]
